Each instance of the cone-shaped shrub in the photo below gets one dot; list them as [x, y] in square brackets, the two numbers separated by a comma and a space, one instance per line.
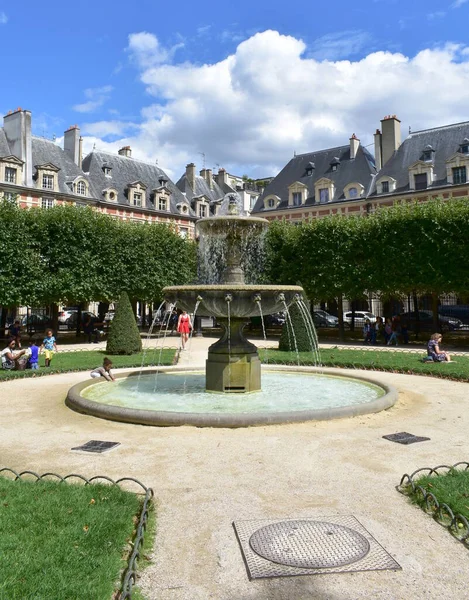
[287, 339]
[124, 336]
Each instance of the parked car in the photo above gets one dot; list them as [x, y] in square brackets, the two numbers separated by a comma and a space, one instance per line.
[322, 318]
[109, 315]
[425, 321]
[274, 319]
[36, 322]
[72, 320]
[66, 313]
[360, 318]
[455, 311]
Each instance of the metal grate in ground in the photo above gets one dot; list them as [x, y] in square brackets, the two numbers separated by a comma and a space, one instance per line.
[405, 438]
[97, 446]
[337, 544]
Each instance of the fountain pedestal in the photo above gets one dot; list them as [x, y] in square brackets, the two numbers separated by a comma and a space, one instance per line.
[233, 364]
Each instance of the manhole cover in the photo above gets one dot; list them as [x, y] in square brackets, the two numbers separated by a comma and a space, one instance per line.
[97, 446]
[405, 438]
[309, 544]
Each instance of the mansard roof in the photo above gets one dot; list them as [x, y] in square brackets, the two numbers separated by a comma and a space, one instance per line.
[202, 188]
[46, 152]
[127, 171]
[357, 170]
[445, 141]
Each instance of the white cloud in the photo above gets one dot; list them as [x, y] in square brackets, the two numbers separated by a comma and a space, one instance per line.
[341, 44]
[250, 111]
[439, 14]
[107, 128]
[96, 98]
[3, 18]
[458, 3]
[147, 52]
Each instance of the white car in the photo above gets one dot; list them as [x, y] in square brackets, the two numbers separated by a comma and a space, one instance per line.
[65, 314]
[360, 317]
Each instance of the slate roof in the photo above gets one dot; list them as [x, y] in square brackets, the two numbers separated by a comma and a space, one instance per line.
[444, 140]
[359, 170]
[202, 188]
[126, 170]
[46, 151]
[4, 146]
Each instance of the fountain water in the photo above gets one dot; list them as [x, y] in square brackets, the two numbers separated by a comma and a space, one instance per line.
[233, 367]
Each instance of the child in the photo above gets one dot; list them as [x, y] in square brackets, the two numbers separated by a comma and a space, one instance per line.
[104, 371]
[33, 356]
[49, 346]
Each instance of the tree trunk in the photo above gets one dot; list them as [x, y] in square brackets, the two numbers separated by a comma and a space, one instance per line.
[55, 317]
[340, 314]
[79, 319]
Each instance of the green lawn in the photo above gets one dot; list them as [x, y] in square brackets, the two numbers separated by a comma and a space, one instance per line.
[394, 361]
[451, 489]
[63, 541]
[82, 360]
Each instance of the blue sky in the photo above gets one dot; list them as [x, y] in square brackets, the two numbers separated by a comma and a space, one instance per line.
[245, 83]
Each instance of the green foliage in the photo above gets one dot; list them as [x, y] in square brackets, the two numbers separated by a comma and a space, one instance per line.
[298, 339]
[69, 255]
[451, 489]
[124, 336]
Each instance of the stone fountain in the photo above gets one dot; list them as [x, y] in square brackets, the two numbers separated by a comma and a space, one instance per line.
[233, 364]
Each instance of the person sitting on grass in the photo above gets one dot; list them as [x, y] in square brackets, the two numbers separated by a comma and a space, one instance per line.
[49, 346]
[32, 354]
[434, 350]
[104, 371]
[10, 358]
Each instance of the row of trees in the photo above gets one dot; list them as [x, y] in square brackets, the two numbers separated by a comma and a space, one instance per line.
[74, 255]
[411, 248]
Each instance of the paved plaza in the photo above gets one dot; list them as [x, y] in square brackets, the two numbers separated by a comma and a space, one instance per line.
[204, 479]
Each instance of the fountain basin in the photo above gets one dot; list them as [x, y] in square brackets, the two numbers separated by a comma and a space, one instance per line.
[168, 406]
[242, 298]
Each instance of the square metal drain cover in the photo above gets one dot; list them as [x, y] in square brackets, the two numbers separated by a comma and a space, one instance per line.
[97, 446]
[405, 438]
[337, 544]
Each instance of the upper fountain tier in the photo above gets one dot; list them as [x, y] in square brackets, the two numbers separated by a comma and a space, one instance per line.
[234, 230]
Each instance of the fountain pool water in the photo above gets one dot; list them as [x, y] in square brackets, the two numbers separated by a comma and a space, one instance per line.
[230, 393]
[287, 395]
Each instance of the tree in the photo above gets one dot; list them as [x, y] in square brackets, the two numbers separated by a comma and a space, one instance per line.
[296, 335]
[124, 336]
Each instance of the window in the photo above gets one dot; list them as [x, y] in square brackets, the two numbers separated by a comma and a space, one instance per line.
[9, 196]
[353, 192]
[112, 195]
[137, 199]
[296, 197]
[334, 167]
[465, 148]
[81, 188]
[107, 171]
[324, 195]
[162, 204]
[385, 187]
[47, 202]
[10, 175]
[48, 182]
[271, 203]
[459, 175]
[420, 180]
[427, 155]
[202, 211]
[183, 232]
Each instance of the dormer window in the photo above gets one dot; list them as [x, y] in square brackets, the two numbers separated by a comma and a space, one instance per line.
[137, 193]
[464, 147]
[310, 168]
[107, 170]
[162, 204]
[137, 199]
[47, 182]
[353, 190]
[297, 198]
[10, 175]
[420, 181]
[385, 187]
[459, 175]
[323, 195]
[202, 210]
[163, 181]
[428, 153]
[271, 203]
[81, 188]
[335, 162]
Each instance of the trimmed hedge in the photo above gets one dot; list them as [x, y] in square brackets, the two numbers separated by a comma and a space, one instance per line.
[124, 336]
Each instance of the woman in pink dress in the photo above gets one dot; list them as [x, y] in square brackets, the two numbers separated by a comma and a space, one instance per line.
[184, 327]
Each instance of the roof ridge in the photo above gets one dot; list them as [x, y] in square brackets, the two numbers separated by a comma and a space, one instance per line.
[145, 162]
[322, 151]
[439, 127]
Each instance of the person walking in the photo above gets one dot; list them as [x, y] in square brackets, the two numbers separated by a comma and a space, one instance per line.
[184, 327]
[49, 346]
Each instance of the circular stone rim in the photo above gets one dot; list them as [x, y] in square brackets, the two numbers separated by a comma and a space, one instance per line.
[273, 557]
[233, 287]
[78, 403]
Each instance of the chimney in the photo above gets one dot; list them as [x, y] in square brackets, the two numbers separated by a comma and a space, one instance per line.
[222, 177]
[72, 144]
[378, 158]
[354, 145]
[17, 128]
[391, 137]
[125, 151]
[209, 178]
[190, 175]
[80, 151]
